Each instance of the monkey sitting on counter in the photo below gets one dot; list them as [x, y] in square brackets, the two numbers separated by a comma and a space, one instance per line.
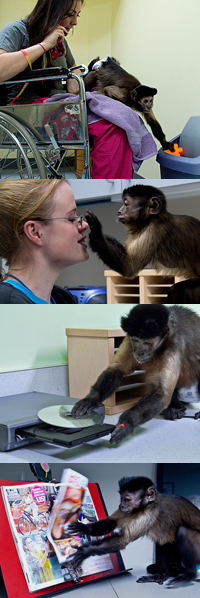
[169, 242]
[165, 342]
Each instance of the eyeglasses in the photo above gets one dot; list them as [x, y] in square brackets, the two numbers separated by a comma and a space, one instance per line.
[70, 218]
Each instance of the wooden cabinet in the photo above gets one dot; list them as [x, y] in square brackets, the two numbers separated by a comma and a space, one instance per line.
[148, 287]
[89, 353]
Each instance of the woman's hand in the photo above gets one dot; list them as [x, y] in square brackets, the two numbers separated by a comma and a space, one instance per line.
[51, 40]
[72, 86]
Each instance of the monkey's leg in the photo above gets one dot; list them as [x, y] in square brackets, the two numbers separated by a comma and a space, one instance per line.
[157, 131]
[186, 543]
[197, 415]
[176, 408]
[168, 564]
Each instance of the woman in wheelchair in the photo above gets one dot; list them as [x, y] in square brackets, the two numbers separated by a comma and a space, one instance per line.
[40, 235]
[39, 41]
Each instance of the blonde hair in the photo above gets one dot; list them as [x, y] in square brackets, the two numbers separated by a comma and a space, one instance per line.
[22, 200]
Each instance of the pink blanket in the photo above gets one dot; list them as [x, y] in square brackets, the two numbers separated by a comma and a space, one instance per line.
[102, 107]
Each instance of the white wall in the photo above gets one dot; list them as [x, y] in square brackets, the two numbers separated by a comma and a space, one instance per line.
[34, 336]
[158, 42]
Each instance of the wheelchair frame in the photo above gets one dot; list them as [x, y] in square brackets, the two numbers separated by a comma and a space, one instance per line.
[39, 149]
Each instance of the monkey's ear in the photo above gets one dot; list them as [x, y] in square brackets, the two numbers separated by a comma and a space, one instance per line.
[134, 95]
[151, 493]
[155, 205]
[172, 321]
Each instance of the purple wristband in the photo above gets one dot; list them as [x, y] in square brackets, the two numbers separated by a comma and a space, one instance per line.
[42, 47]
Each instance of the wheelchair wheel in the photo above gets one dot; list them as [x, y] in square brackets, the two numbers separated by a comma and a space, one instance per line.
[24, 526]
[19, 155]
[41, 521]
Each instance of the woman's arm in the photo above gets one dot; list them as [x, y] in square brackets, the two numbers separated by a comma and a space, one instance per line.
[44, 558]
[12, 63]
[72, 84]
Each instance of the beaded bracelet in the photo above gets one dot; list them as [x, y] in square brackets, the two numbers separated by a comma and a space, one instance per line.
[42, 47]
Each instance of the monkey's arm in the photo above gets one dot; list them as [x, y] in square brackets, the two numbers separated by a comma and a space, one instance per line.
[99, 547]
[157, 131]
[130, 528]
[108, 381]
[119, 540]
[113, 253]
[90, 80]
[164, 380]
[98, 528]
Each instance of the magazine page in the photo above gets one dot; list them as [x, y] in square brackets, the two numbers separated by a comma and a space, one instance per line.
[73, 503]
[94, 564]
[67, 508]
[28, 507]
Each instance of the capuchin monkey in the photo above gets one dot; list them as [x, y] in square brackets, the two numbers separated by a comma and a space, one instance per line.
[169, 242]
[163, 341]
[169, 520]
[109, 78]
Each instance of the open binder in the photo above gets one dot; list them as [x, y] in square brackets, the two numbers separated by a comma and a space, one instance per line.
[10, 565]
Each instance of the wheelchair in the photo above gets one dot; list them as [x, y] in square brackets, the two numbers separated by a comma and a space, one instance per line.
[44, 140]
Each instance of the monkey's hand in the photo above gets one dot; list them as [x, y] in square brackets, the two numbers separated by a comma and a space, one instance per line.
[77, 528]
[82, 553]
[95, 235]
[168, 145]
[173, 413]
[122, 429]
[84, 407]
[197, 415]
[151, 578]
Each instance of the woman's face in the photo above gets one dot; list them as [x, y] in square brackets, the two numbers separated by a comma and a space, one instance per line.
[70, 20]
[30, 544]
[64, 240]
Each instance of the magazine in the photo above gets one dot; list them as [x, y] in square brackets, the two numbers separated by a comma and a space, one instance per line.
[39, 515]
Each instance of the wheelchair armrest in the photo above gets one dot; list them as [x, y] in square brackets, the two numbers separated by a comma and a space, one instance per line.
[57, 72]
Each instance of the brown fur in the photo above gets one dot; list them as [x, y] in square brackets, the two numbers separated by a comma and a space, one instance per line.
[170, 243]
[173, 364]
[112, 80]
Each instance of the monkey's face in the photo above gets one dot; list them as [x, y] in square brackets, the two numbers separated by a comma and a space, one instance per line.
[146, 104]
[132, 210]
[130, 501]
[144, 349]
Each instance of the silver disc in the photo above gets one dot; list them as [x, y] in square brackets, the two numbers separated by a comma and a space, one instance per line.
[59, 415]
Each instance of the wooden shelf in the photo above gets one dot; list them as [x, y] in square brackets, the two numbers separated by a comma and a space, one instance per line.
[90, 352]
[148, 287]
